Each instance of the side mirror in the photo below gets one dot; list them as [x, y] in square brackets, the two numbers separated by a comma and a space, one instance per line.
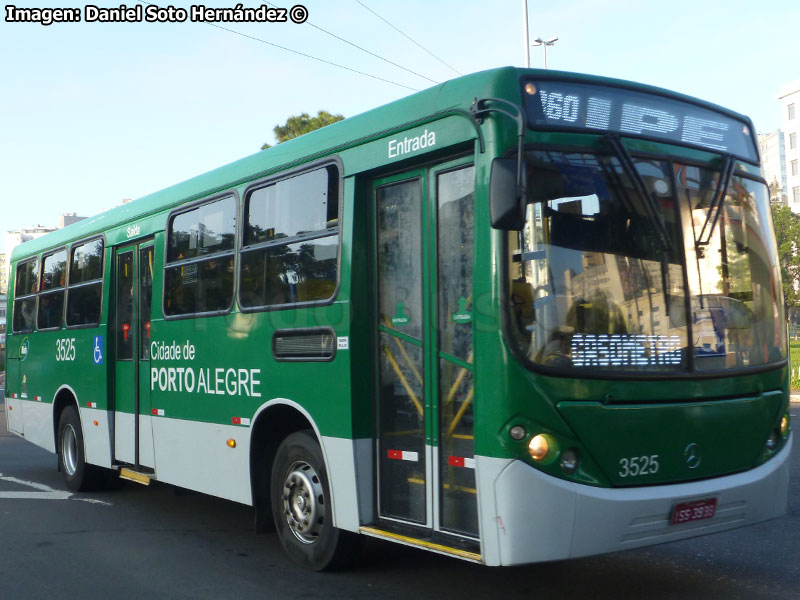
[506, 210]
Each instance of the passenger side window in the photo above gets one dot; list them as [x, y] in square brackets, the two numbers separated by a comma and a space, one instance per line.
[25, 296]
[85, 292]
[51, 298]
[198, 276]
[291, 241]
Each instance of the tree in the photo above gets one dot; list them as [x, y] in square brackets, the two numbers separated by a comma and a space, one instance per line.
[297, 125]
[787, 235]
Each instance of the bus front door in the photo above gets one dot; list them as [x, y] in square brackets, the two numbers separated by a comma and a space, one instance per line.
[133, 437]
[423, 256]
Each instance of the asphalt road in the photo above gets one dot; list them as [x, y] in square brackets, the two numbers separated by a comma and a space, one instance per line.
[158, 542]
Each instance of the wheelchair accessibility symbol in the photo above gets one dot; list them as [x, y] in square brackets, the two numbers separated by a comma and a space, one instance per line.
[97, 355]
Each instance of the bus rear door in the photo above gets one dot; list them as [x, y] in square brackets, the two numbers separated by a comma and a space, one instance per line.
[133, 437]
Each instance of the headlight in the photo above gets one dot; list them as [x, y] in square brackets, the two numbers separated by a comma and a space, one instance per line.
[539, 447]
[785, 425]
[543, 448]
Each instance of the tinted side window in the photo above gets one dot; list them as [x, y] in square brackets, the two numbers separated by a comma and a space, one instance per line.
[85, 292]
[291, 240]
[87, 262]
[54, 270]
[198, 277]
[51, 298]
[26, 278]
[202, 231]
[25, 296]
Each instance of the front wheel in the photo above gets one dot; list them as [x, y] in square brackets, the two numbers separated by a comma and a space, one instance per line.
[301, 507]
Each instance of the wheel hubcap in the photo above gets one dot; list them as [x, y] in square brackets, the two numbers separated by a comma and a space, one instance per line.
[303, 502]
[69, 450]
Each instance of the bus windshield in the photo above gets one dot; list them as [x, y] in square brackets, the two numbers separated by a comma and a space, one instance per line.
[659, 267]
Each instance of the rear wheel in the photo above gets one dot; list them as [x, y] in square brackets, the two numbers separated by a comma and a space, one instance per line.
[78, 475]
[302, 509]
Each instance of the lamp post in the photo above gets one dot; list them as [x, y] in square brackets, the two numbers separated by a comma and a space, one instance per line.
[526, 34]
[541, 42]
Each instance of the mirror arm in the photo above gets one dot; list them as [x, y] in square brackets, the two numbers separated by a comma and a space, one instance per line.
[480, 108]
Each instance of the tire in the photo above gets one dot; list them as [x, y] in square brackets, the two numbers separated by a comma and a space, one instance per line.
[301, 507]
[78, 475]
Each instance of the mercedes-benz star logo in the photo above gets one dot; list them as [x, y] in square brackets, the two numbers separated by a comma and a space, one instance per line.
[692, 456]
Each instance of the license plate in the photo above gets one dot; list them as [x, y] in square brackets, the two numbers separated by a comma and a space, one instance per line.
[694, 511]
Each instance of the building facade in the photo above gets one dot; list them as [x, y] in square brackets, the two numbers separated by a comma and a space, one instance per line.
[790, 119]
[773, 164]
[68, 219]
[14, 239]
[19, 236]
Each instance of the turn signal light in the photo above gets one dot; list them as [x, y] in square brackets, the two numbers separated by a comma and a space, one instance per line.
[231, 443]
[785, 425]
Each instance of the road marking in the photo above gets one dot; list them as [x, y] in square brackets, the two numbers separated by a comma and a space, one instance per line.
[45, 492]
[93, 501]
[54, 495]
[37, 486]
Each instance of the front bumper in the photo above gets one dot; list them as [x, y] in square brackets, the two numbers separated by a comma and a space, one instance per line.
[528, 516]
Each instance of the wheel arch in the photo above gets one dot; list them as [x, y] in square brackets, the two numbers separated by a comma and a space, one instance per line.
[273, 422]
[64, 397]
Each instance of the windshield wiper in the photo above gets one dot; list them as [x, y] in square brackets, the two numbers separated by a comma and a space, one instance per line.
[716, 203]
[651, 207]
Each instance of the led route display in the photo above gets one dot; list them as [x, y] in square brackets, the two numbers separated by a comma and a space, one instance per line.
[622, 350]
[560, 104]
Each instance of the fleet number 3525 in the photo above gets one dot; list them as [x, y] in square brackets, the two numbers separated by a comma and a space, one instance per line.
[65, 349]
[638, 465]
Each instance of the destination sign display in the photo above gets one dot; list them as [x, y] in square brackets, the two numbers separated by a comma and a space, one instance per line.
[566, 105]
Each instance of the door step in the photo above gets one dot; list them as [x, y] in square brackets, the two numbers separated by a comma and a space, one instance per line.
[134, 476]
[420, 543]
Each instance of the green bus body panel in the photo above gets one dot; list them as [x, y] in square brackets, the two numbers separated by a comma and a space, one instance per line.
[203, 387]
[512, 395]
[728, 434]
[41, 374]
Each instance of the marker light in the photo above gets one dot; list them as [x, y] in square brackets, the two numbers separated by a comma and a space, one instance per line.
[785, 425]
[530, 89]
[231, 443]
[539, 447]
[569, 461]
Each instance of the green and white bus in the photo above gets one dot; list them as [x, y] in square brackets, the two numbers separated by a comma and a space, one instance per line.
[521, 316]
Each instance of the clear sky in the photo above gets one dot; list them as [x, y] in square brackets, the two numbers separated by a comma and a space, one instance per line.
[91, 113]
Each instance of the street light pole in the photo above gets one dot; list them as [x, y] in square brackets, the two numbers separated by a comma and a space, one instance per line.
[541, 42]
[526, 34]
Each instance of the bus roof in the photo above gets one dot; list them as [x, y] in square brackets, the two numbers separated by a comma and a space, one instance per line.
[405, 112]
